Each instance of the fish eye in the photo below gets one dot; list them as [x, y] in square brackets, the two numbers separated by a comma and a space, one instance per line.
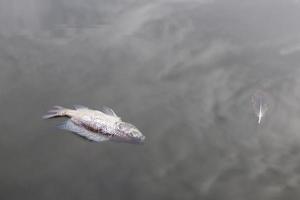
[121, 126]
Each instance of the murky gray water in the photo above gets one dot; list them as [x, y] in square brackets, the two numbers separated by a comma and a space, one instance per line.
[182, 71]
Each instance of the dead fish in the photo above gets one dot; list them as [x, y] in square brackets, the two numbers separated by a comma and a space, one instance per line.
[96, 125]
[260, 104]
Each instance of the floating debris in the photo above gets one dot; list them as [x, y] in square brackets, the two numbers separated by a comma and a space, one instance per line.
[260, 104]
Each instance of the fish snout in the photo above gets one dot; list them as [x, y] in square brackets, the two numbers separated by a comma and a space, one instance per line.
[138, 137]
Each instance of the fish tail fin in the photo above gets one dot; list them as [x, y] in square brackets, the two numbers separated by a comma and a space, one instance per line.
[57, 111]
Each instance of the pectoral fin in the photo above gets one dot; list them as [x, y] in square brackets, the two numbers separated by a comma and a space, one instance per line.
[80, 131]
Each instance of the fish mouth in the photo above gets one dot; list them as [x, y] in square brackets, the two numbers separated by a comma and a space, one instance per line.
[139, 140]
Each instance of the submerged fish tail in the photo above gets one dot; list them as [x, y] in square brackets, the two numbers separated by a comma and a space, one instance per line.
[57, 111]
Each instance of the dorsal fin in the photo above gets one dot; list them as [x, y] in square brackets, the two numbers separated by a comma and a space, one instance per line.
[109, 111]
[78, 107]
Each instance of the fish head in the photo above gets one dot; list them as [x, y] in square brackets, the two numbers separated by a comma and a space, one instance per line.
[129, 133]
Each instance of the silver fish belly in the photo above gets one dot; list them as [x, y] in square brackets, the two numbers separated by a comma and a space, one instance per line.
[96, 125]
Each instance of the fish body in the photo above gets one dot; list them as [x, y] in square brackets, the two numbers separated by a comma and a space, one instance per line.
[96, 125]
